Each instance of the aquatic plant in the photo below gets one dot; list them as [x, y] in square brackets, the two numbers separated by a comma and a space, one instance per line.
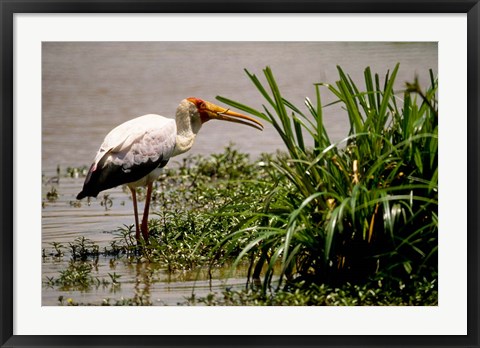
[78, 276]
[350, 211]
[418, 292]
[52, 195]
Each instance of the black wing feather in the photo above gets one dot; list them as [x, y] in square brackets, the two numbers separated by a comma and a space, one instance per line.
[111, 175]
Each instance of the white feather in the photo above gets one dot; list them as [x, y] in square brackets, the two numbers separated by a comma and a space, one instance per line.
[139, 140]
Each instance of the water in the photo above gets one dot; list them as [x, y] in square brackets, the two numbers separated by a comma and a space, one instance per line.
[89, 88]
[65, 219]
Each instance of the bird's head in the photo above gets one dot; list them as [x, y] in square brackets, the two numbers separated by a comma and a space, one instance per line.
[202, 111]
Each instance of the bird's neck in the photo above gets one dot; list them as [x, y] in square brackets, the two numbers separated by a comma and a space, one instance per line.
[186, 129]
[184, 142]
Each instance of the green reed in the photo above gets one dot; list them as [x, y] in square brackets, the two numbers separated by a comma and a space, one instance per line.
[361, 208]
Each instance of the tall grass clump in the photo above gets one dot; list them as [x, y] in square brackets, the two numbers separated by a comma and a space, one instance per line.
[360, 209]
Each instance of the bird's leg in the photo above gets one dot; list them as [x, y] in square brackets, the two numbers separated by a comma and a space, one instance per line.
[145, 212]
[135, 210]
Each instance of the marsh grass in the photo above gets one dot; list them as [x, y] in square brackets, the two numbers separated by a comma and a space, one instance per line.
[350, 211]
[192, 211]
[419, 292]
[79, 276]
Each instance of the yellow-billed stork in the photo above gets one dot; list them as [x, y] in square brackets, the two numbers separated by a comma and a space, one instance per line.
[134, 152]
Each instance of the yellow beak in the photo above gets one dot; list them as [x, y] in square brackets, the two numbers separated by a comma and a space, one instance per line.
[211, 111]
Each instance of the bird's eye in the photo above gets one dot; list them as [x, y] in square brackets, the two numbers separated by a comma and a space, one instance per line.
[202, 105]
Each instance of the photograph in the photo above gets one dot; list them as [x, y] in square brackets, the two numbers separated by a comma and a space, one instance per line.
[242, 173]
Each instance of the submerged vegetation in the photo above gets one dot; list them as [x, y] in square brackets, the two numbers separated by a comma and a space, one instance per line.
[347, 223]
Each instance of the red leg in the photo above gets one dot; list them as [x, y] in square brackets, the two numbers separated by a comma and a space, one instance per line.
[145, 212]
[135, 210]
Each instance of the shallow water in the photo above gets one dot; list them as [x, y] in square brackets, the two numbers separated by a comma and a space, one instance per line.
[89, 88]
[63, 221]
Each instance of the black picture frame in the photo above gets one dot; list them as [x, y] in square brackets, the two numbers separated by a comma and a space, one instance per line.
[10, 7]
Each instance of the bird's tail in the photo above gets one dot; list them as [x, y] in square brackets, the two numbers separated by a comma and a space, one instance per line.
[86, 190]
[82, 195]
[85, 193]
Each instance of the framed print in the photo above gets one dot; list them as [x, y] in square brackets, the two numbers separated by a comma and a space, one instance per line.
[330, 200]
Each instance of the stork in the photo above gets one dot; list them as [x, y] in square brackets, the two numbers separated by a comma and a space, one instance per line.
[134, 152]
